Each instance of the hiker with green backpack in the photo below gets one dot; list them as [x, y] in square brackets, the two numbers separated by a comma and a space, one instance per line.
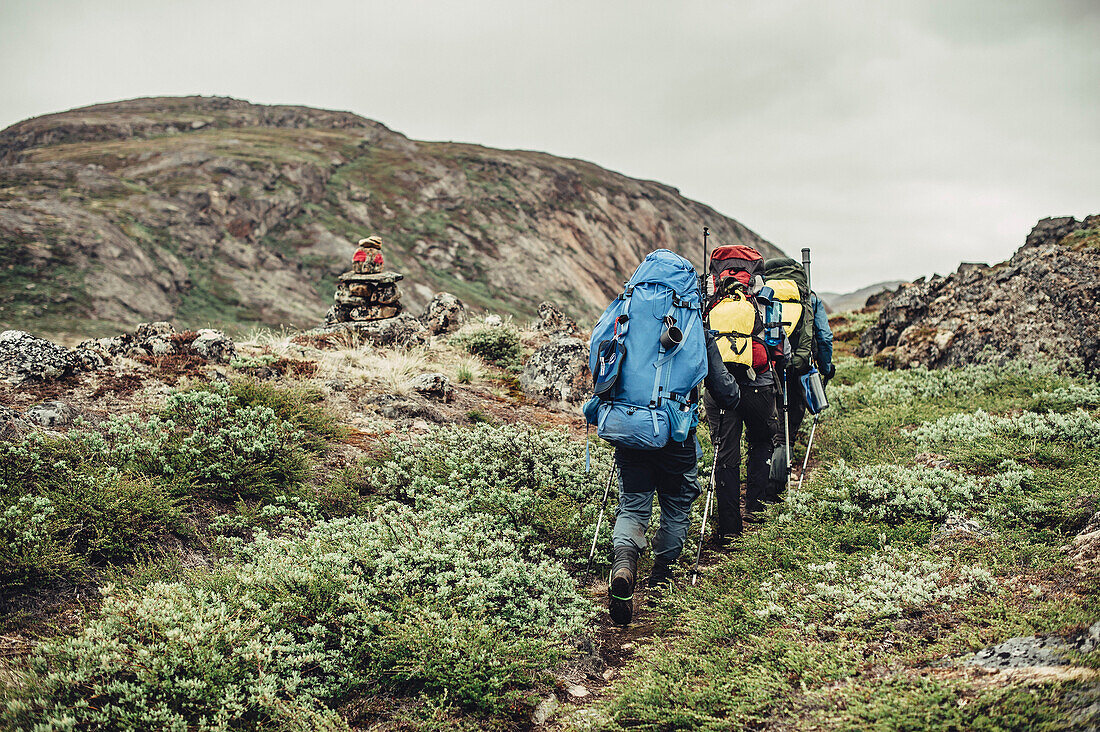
[649, 354]
[810, 335]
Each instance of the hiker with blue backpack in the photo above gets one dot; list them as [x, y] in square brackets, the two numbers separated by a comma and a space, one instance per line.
[649, 355]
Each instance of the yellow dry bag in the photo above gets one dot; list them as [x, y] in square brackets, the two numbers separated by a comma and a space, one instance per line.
[786, 292]
[735, 320]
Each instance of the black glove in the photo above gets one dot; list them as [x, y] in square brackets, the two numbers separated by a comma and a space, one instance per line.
[829, 373]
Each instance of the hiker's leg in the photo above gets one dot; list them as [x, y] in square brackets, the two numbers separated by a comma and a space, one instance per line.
[762, 429]
[725, 429]
[676, 492]
[796, 404]
[637, 482]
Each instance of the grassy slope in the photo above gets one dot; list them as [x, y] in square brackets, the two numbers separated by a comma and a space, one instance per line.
[771, 640]
[818, 620]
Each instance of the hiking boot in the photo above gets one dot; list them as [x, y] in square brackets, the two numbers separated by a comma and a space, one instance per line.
[753, 518]
[620, 586]
[661, 576]
[724, 541]
[660, 581]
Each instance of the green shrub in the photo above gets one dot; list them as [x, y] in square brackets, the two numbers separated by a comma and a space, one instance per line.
[61, 505]
[886, 584]
[298, 405]
[515, 472]
[498, 345]
[1078, 428]
[115, 518]
[206, 440]
[477, 416]
[441, 601]
[450, 596]
[29, 544]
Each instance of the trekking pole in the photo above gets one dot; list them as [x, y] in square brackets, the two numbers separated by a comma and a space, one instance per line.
[813, 361]
[806, 460]
[706, 504]
[704, 268]
[786, 431]
[599, 520]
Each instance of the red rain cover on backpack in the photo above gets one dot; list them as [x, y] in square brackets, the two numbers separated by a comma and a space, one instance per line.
[741, 262]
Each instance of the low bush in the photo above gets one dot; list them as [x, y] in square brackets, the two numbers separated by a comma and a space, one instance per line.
[297, 405]
[60, 506]
[1067, 398]
[895, 494]
[440, 600]
[886, 584]
[513, 472]
[208, 442]
[945, 387]
[498, 345]
[1078, 428]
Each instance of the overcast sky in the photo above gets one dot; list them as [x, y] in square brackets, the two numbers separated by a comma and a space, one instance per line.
[895, 138]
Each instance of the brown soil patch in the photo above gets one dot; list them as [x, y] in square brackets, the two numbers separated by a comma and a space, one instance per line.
[120, 385]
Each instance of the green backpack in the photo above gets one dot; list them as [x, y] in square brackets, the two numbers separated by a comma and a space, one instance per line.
[801, 333]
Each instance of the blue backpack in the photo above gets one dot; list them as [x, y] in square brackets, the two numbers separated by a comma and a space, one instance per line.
[647, 355]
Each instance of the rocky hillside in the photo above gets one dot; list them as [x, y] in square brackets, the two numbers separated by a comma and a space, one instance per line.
[1043, 304]
[214, 211]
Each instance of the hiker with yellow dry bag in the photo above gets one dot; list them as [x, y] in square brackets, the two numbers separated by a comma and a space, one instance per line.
[737, 314]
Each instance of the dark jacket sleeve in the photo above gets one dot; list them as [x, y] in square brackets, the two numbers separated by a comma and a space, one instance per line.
[720, 383]
[823, 336]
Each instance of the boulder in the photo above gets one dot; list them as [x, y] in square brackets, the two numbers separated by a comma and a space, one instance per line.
[94, 354]
[51, 414]
[434, 386]
[26, 357]
[213, 345]
[558, 371]
[544, 710]
[444, 314]
[155, 338]
[1038, 650]
[554, 321]
[12, 424]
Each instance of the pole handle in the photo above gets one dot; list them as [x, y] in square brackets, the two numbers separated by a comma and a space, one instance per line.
[806, 265]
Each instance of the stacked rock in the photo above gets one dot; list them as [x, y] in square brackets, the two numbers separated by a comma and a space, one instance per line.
[367, 292]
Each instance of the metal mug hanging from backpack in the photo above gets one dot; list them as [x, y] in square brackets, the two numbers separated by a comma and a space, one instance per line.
[671, 336]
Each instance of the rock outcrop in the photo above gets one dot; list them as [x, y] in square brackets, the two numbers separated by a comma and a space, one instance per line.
[25, 357]
[400, 331]
[198, 209]
[1043, 304]
[551, 320]
[558, 372]
[444, 314]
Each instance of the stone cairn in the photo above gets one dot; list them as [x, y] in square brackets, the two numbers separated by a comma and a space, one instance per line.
[366, 293]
